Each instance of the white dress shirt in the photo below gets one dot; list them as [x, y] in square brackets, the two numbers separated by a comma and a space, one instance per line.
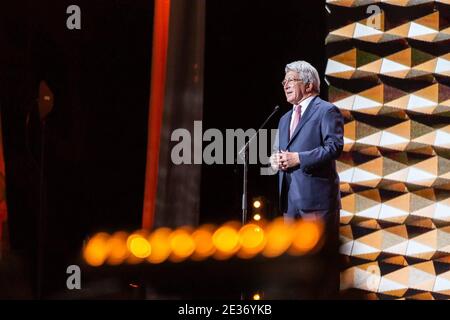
[304, 105]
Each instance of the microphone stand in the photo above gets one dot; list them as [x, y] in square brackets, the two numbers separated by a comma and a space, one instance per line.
[244, 155]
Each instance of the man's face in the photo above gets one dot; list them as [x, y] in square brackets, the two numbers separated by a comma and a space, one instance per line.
[295, 90]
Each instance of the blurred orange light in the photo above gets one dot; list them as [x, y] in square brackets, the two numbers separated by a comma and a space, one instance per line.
[96, 250]
[279, 238]
[306, 236]
[256, 296]
[273, 240]
[252, 240]
[182, 244]
[159, 242]
[139, 246]
[136, 234]
[118, 250]
[204, 246]
[226, 240]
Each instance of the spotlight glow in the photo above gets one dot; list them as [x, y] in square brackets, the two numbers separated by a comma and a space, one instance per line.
[226, 241]
[203, 239]
[96, 251]
[140, 247]
[182, 244]
[279, 238]
[252, 240]
[306, 236]
[159, 242]
[118, 250]
[257, 217]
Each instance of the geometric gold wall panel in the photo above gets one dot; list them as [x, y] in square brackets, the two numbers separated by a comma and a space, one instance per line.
[408, 136]
[397, 278]
[405, 64]
[429, 28]
[385, 100]
[410, 208]
[403, 3]
[408, 241]
[387, 173]
[392, 84]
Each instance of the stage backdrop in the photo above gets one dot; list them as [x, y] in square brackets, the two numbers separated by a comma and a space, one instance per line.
[388, 71]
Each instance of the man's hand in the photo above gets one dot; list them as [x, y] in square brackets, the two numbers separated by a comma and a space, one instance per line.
[275, 161]
[288, 160]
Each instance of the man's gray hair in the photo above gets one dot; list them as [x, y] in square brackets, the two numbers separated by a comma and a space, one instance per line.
[306, 72]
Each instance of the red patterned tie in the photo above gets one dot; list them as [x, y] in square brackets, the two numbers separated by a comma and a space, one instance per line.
[297, 116]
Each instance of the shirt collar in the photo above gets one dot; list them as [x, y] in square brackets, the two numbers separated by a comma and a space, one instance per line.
[304, 103]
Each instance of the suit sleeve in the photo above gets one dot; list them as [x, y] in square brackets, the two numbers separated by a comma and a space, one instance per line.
[332, 129]
[276, 144]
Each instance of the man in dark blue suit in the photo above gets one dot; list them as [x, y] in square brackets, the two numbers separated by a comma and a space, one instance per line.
[310, 139]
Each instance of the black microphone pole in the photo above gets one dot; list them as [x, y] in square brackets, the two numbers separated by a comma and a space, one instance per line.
[244, 153]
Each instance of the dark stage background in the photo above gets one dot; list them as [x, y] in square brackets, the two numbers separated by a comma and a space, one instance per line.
[96, 134]
[95, 139]
[248, 44]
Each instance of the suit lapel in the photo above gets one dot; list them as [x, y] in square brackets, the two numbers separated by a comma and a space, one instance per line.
[284, 132]
[306, 116]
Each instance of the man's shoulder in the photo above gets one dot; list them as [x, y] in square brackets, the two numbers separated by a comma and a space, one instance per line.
[286, 115]
[325, 105]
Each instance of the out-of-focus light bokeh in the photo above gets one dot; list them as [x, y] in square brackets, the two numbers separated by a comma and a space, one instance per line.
[182, 244]
[257, 217]
[269, 239]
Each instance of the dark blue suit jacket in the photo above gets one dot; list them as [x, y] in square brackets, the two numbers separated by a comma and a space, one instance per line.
[318, 138]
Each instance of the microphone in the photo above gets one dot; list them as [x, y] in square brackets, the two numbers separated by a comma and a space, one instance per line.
[275, 110]
[244, 155]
